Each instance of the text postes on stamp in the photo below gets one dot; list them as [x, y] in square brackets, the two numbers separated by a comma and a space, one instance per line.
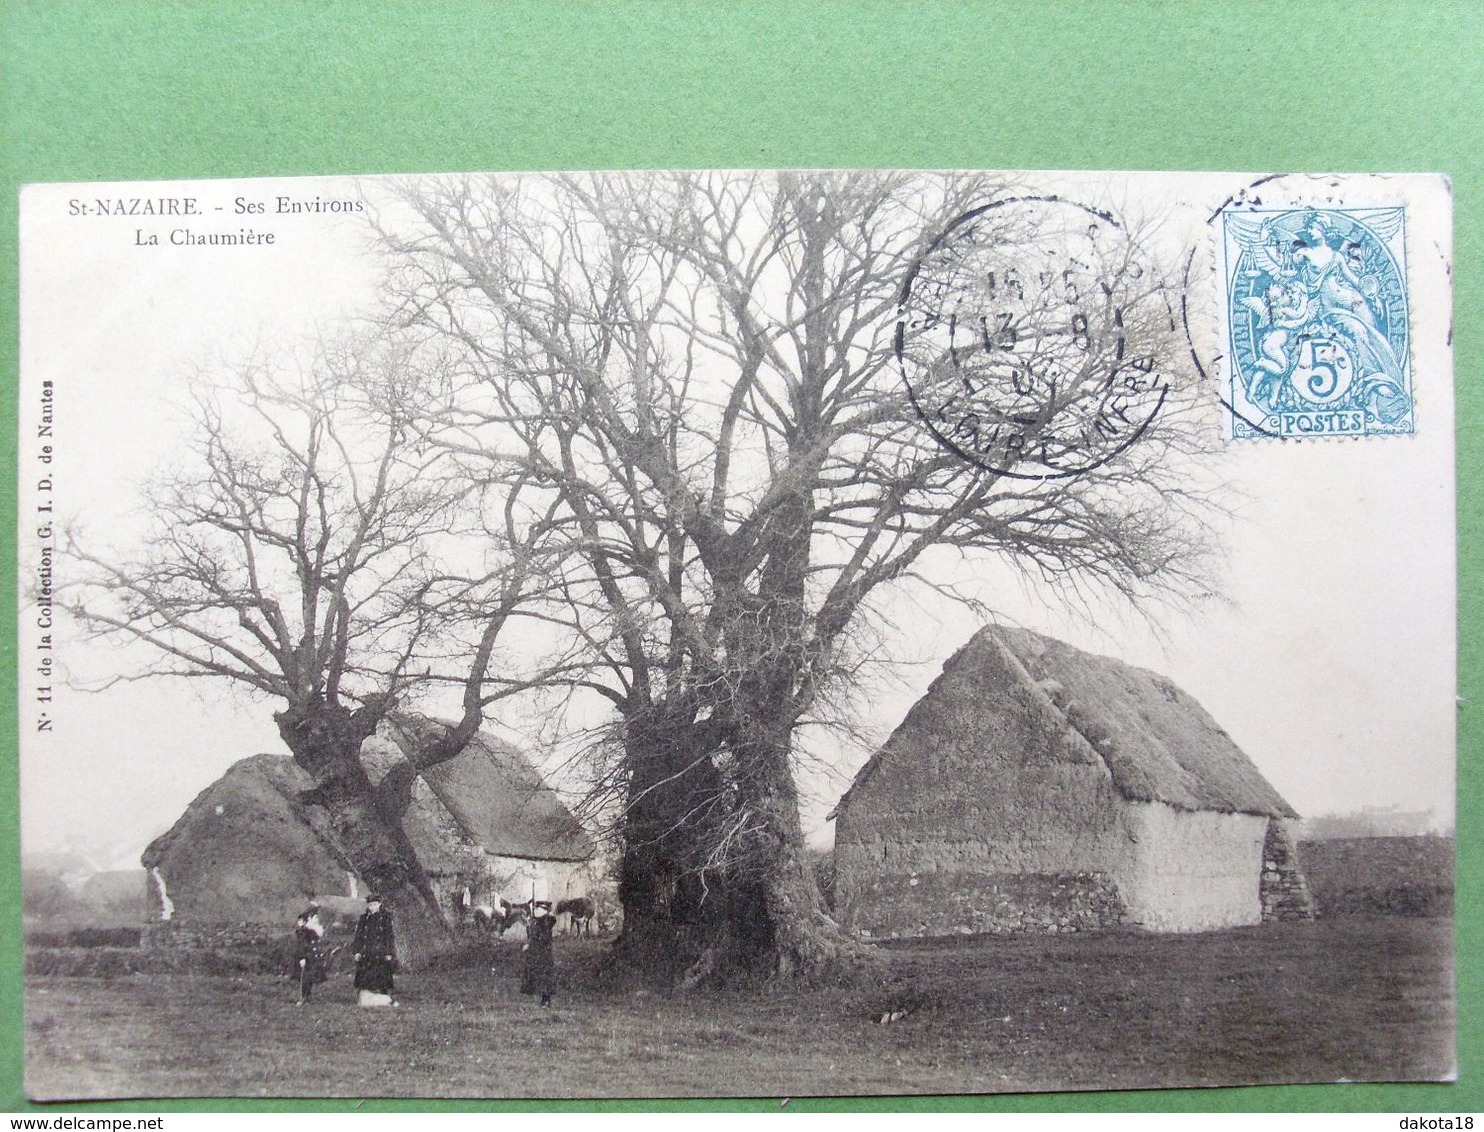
[1314, 302]
[1030, 336]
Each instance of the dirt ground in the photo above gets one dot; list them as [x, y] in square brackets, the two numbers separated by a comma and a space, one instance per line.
[1356, 998]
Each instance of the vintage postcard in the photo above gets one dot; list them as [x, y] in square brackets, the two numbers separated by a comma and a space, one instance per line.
[736, 633]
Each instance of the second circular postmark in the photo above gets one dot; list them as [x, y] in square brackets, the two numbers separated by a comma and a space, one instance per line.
[1032, 337]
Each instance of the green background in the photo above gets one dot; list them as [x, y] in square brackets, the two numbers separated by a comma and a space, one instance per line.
[119, 91]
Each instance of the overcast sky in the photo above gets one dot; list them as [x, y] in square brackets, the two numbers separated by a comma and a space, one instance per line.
[1329, 656]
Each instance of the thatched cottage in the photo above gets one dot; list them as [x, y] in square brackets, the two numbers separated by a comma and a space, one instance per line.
[248, 852]
[1038, 787]
[486, 820]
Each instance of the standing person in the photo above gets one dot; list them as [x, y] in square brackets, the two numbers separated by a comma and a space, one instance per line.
[375, 953]
[309, 936]
[539, 976]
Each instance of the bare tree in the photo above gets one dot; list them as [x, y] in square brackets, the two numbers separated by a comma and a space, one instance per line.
[308, 550]
[756, 402]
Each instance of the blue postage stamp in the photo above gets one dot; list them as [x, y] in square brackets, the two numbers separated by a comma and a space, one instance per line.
[1314, 302]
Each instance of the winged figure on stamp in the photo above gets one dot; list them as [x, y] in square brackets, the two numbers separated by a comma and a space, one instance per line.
[1320, 315]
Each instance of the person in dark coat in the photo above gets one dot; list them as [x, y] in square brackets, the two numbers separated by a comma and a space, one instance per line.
[375, 951]
[539, 976]
[309, 937]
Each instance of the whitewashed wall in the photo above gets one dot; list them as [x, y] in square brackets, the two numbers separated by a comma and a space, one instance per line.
[1191, 871]
[518, 878]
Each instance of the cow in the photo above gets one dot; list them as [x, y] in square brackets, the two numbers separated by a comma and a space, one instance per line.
[500, 916]
[490, 917]
[517, 913]
[579, 911]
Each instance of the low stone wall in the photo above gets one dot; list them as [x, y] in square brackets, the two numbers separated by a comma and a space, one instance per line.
[118, 962]
[930, 904]
[170, 934]
[1385, 876]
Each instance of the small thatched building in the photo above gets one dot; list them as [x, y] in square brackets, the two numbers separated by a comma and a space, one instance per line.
[488, 822]
[1038, 787]
[249, 851]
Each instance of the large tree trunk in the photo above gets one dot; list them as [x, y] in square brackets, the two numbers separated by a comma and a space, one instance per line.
[737, 837]
[783, 927]
[325, 741]
[761, 915]
[672, 903]
[802, 937]
[784, 930]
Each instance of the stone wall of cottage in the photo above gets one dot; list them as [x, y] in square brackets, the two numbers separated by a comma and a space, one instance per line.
[1285, 891]
[900, 906]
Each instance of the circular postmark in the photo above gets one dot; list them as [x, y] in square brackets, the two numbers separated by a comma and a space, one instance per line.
[1031, 336]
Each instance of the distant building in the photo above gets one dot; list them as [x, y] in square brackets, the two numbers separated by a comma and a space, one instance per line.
[1371, 821]
[71, 886]
[1036, 787]
[113, 897]
[68, 867]
[248, 851]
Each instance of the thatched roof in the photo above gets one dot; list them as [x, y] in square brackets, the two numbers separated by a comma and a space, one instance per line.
[1157, 742]
[500, 800]
[251, 788]
[247, 848]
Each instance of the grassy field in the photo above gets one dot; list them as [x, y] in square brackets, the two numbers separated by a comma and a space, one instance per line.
[1352, 998]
